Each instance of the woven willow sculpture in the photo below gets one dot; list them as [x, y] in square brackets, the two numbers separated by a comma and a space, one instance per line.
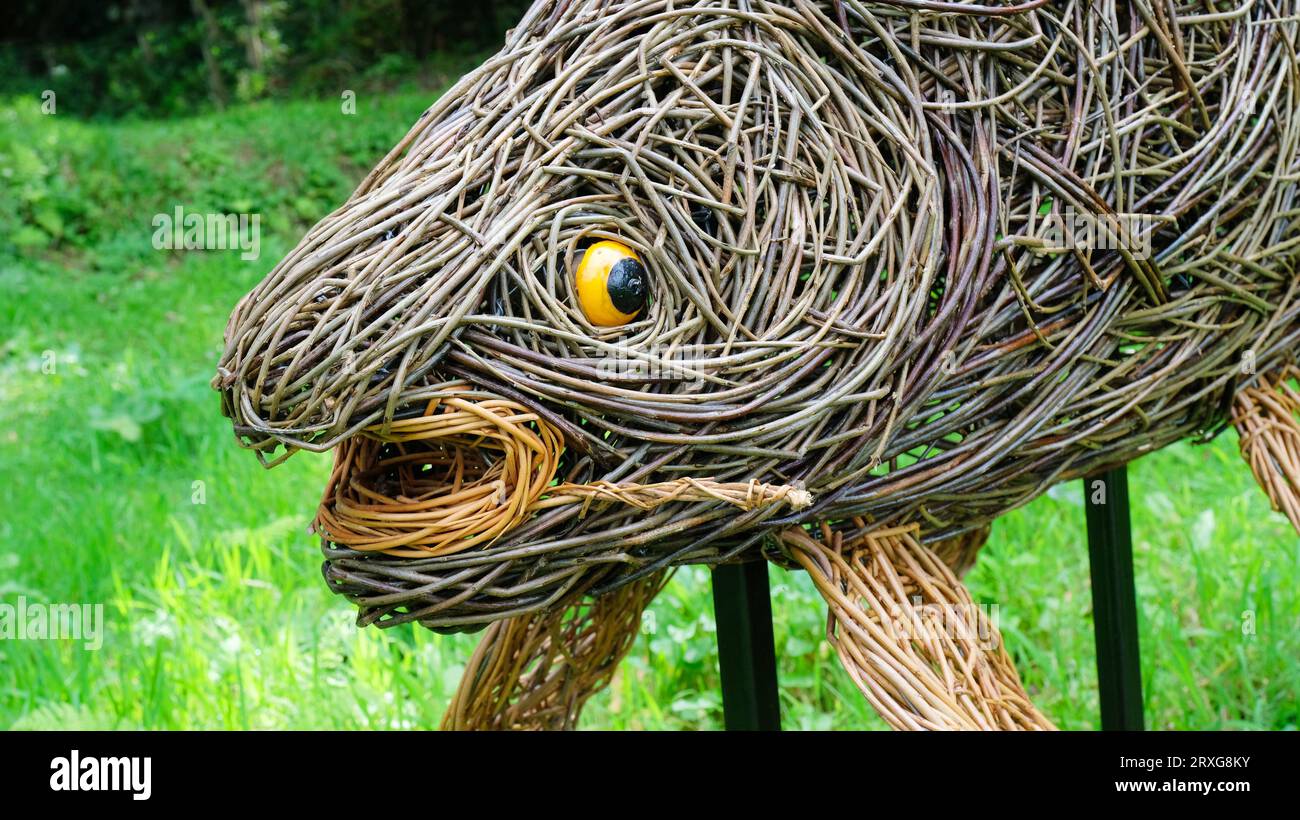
[895, 269]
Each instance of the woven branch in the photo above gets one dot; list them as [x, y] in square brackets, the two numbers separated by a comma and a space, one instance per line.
[909, 635]
[958, 553]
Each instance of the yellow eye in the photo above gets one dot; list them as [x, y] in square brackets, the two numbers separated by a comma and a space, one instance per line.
[611, 284]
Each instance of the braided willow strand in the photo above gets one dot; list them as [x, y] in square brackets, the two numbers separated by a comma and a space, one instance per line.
[1268, 428]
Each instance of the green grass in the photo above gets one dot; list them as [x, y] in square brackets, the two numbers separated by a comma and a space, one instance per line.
[216, 613]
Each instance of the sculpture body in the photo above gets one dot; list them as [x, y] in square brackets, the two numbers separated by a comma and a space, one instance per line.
[919, 260]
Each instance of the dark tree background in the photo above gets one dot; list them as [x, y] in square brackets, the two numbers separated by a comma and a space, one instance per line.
[169, 57]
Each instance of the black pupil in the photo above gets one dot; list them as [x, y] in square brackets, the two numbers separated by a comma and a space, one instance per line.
[627, 285]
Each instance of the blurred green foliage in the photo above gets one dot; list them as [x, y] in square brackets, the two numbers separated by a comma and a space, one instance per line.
[172, 57]
[70, 186]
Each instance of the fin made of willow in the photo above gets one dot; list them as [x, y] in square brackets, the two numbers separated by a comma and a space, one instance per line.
[1267, 418]
[537, 671]
[920, 650]
[960, 551]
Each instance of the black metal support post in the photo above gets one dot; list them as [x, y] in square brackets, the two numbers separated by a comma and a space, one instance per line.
[746, 652]
[1114, 600]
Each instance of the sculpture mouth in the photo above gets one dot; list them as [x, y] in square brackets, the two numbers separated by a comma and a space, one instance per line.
[468, 470]
[472, 468]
